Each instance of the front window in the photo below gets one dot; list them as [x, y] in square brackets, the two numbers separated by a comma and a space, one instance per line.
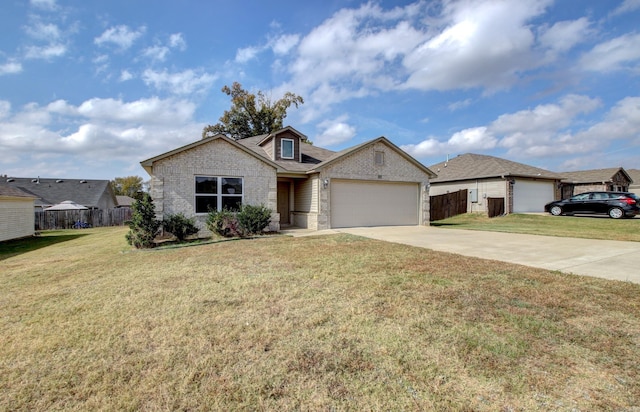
[218, 193]
[286, 148]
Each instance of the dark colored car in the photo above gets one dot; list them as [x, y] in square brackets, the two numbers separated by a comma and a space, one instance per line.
[615, 204]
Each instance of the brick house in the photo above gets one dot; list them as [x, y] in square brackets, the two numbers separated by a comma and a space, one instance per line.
[612, 179]
[372, 184]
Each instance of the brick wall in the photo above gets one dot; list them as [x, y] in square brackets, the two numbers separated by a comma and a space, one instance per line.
[361, 166]
[173, 179]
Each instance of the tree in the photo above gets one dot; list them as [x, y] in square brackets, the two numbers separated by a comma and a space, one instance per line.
[143, 225]
[128, 186]
[251, 114]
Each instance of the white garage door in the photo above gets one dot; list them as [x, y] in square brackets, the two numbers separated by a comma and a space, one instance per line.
[365, 203]
[530, 196]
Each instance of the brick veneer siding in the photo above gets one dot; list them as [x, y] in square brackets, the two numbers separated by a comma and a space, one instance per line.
[173, 179]
[361, 166]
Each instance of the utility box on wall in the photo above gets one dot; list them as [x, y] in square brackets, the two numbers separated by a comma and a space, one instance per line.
[473, 195]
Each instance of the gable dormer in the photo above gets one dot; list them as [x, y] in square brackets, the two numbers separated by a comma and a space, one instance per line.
[284, 144]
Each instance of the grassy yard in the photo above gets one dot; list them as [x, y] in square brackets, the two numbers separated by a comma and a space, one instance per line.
[318, 323]
[590, 227]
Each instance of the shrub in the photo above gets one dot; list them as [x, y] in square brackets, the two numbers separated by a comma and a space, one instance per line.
[254, 219]
[180, 226]
[223, 223]
[143, 224]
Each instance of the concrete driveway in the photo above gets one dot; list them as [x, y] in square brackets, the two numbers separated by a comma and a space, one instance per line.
[600, 258]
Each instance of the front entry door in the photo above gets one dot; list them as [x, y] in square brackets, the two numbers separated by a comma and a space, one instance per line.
[283, 202]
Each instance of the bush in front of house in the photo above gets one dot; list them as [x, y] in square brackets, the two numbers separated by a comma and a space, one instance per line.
[180, 226]
[250, 220]
[143, 224]
[223, 223]
[254, 219]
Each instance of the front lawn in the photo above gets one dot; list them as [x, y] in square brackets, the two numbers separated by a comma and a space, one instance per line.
[333, 322]
[590, 227]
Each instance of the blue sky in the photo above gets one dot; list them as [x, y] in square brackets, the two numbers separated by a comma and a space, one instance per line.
[90, 89]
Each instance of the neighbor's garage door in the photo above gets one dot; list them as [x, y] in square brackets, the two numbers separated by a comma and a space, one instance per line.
[530, 196]
[365, 203]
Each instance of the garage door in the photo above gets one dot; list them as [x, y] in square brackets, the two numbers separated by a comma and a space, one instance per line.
[530, 196]
[364, 203]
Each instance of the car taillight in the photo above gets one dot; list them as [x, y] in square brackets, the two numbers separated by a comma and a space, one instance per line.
[628, 200]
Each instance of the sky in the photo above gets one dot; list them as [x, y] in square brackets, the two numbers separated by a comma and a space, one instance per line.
[89, 89]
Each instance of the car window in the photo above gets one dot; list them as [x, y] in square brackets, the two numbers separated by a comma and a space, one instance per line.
[600, 196]
[582, 196]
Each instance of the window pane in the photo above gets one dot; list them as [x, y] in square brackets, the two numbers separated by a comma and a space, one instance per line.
[231, 186]
[205, 203]
[232, 203]
[287, 148]
[206, 184]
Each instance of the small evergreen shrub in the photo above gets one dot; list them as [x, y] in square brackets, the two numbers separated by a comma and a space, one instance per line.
[254, 219]
[223, 223]
[143, 224]
[180, 226]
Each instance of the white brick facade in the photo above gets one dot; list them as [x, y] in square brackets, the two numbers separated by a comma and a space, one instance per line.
[173, 179]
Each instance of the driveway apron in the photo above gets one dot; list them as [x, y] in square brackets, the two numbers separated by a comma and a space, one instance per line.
[607, 259]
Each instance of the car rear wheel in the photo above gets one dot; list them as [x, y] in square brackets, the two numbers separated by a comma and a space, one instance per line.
[616, 213]
[556, 210]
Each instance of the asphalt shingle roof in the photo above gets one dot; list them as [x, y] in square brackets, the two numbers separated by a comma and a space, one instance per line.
[590, 176]
[477, 166]
[6, 190]
[53, 191]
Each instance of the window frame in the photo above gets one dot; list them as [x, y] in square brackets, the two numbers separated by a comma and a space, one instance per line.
[218, 195]
[378, 154]
[293, 148]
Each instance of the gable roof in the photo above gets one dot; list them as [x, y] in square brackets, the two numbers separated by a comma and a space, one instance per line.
[346, 152]
[476, 166]
[9, 191]
[53, 191]
[148, 164]
[124, 200]
[635, 176]
[594, 175]
[314, 158]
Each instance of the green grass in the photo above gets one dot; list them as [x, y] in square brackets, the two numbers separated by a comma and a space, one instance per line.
[564, 226]
[316, 323]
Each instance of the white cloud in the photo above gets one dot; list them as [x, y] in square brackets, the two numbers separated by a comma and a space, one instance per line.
[627, 6]
[564, 35]
[283, 44]
[177, 41]
[45, 52]
[616, 54]
[121, 36]
[246, 54]
[156, 53]
[334, 132]
[461, 104]
[99, 132]
[44, 4]
[483, 45]
[43, 31]
[181, 83]
[10, 67]
[125, 75]
[542, 131]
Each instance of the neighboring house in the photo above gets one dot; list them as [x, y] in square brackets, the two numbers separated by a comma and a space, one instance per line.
[371, 184]
[613, 179]
[124, 201]
[93, 194]
[523, 188]
[16, 213]
[635, 184]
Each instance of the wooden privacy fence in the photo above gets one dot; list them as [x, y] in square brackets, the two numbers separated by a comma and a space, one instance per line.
[448, 205]
[68, 219]
[495, 206]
